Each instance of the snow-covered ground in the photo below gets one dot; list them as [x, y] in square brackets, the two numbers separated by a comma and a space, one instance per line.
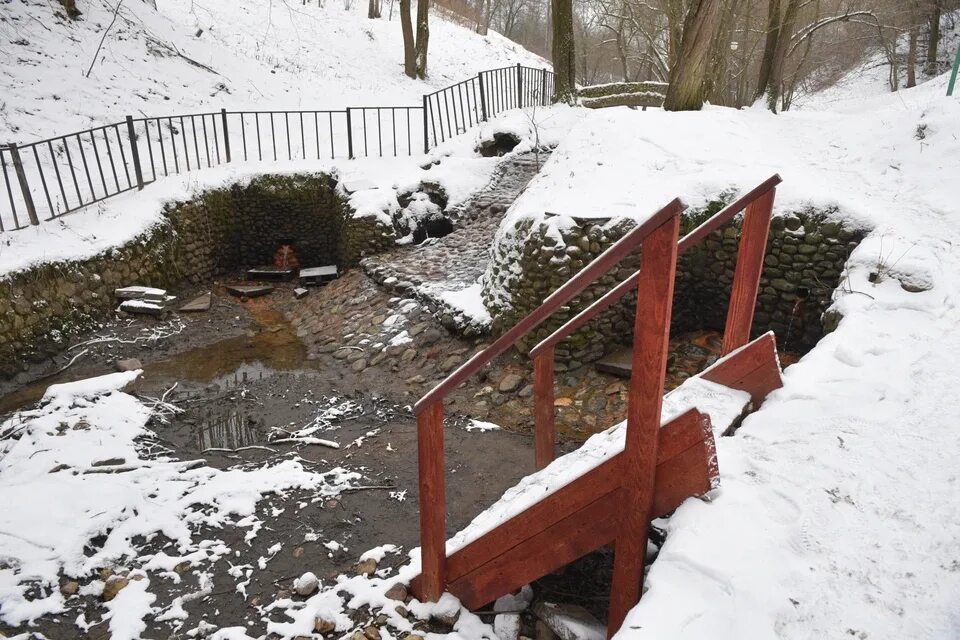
[252, 54]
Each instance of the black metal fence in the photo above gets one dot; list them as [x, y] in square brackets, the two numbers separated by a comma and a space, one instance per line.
[47, 179]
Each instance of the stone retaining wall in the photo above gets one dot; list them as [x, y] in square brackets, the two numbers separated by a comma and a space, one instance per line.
[806, 253]
[219, 231]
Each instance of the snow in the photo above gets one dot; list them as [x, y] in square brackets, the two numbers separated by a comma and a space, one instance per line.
[468, 303]
[80, 455]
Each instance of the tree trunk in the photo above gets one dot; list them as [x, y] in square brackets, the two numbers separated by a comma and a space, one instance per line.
[70, 6]
[912, 57]
[774, 88]
[373, 9]
[687, 86]
[423, 36]
[769, 47]
[564, 52]
[409, 53]
[933, 45]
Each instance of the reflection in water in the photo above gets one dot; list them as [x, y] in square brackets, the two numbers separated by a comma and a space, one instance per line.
[227, 431]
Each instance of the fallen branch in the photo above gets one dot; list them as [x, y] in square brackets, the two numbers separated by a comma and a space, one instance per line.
[248, 448]
[123, 468]
[323, 443]
[64, 367]
[381, 487]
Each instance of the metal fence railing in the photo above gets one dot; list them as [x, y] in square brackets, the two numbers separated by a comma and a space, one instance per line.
[46, 179]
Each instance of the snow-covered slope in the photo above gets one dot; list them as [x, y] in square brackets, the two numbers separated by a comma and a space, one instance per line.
[250, 54]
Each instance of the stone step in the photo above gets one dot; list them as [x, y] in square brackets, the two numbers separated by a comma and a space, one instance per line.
[318, 275]
[140, 293]
[269, 273]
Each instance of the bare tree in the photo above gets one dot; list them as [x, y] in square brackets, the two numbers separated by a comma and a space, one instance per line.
[409, 52]
[564, 51]
[373, 9]
[688, 76]
[423, 36]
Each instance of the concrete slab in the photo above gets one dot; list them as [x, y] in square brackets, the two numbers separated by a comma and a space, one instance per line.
[300, 292]
[617, 363]
[248, 290]
[200, 303]
[269, 273]
[140, 293]
[318, 275]
[143, 307]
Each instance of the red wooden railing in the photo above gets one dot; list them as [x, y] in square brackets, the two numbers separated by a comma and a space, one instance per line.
[657, 238]
[758, 203]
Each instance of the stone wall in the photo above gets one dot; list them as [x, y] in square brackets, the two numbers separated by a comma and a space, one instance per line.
[806, 253]
[217, 232]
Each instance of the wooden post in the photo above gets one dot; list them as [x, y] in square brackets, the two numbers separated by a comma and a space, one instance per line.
[226, 133]
[658, 265]
[24, 187]
[543, 411]
[746, 279]
[433, 536]
[134, 149]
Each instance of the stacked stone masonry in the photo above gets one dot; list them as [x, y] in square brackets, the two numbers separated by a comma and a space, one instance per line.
[218, 232]
[805, 258]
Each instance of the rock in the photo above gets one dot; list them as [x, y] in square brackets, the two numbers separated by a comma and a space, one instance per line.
[115, 584]
[248, 290]
[306, 584]
[300, 292]
[563, 402]
[359, 365]
[570, 621]
[510, 382]
[449, 363]
[298, 552]
[397, 592]
[70, 588]
[507, 626]
[365, 567]
[371, 633]
[526, 392]
[322, 625]
[127, 364]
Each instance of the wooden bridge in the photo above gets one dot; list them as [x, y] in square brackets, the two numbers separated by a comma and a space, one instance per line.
[661, 457]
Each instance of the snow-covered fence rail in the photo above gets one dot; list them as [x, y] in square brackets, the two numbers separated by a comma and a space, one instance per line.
[46, 179]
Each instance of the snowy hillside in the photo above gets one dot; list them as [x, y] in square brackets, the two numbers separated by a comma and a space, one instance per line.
[251, 53]
[871, 78]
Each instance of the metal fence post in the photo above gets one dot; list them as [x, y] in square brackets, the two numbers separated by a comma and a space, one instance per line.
[426, 131]
[132, 134]
[519, 86]
[226, 134]
[483, 97]
[953, 74]
[543, 87]
[349, 135]
[24, 187]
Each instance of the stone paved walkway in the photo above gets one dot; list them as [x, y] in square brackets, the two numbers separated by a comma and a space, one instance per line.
[456, 261]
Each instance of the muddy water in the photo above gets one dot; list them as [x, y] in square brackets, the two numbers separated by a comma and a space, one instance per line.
[269, 347]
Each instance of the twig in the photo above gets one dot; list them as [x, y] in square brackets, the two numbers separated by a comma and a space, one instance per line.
[324, 443]
[224, 450]
[97, 54]
[64, 367]
[382, 487]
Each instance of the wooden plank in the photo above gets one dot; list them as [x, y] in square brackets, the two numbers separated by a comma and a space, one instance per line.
[658, 265]
[746, 279]
[433, 537]
[754, 369]
[556, 546]
[679, 435]
[544, 427]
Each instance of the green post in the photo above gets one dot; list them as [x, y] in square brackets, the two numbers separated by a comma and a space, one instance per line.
[953, 75]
